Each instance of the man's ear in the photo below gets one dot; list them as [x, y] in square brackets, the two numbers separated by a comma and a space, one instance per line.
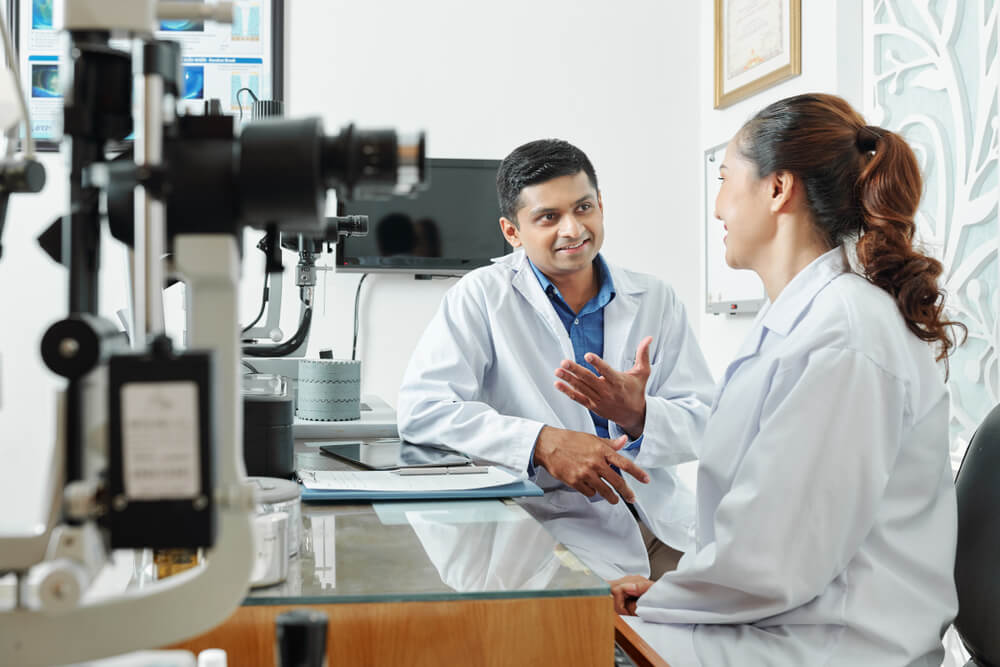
[510, 232]
[782, 186]
[600, 202]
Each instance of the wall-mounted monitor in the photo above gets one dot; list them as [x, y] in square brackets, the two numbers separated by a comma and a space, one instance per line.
[218, 59]
[448, 229]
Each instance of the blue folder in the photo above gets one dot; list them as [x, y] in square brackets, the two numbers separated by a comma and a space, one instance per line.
[513, 490]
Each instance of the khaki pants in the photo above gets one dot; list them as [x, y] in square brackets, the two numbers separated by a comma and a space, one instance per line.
[662, 557]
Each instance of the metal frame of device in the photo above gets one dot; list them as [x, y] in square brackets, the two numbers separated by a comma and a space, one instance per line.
[178, 162]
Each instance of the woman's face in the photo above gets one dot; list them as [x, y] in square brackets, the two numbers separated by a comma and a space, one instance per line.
[744, 207]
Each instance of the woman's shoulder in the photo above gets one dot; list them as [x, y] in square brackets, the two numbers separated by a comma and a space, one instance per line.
[853, 314]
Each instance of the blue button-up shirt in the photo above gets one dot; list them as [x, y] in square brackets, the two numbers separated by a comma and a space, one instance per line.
[586, 328]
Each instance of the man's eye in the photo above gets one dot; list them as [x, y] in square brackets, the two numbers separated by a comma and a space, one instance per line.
[586, 207]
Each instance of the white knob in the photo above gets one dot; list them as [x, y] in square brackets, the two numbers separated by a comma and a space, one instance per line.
[55, 586]
[212, 657]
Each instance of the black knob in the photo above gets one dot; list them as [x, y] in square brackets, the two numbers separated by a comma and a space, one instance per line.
[301, 636]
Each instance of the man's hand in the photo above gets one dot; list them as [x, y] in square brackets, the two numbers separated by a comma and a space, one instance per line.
[618, 397]
[627, 591]
[583, 461]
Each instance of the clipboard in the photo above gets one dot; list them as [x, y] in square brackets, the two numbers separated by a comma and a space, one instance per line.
[521, 488]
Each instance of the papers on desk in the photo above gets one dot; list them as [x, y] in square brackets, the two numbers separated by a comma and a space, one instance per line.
[388, 481]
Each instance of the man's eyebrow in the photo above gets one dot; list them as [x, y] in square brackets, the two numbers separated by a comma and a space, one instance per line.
[549, 209]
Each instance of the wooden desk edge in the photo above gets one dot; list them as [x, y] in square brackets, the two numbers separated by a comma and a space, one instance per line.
[642, 654]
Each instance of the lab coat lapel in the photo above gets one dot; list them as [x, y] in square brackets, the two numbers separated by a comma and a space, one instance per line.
[619, 317]
[750, 348]
[526, 284]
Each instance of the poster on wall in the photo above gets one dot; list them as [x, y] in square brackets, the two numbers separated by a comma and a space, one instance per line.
[220, 61]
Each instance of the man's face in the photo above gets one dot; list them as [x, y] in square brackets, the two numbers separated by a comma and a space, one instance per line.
[560, 225]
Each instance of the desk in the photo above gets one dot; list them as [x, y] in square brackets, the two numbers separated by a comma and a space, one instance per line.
[641, 653]
[435, 583]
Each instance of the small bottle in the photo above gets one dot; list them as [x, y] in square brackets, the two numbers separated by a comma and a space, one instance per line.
[171, 561]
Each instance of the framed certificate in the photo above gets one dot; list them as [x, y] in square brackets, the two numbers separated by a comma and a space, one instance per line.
[757, 44]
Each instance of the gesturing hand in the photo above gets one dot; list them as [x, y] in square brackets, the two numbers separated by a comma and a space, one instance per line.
[616, 396]
[627, 591]
[583, 461]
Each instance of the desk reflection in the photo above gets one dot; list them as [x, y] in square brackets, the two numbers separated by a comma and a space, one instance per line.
[409, 551]
[507, 555]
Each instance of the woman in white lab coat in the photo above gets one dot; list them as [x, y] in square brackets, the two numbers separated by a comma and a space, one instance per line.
[826, 517]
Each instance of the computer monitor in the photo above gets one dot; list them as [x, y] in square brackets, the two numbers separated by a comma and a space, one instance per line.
[450, 228]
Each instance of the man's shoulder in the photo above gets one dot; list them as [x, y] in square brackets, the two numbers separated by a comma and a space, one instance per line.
[490, 280]
[631, 281]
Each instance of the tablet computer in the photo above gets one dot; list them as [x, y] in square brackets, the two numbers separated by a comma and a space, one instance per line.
[391, 453]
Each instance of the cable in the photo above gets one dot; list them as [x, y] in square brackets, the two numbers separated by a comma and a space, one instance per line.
[263, 306]
[357, 294]
[240, 104]
[249, 365]
[29, 150]
[289, 346]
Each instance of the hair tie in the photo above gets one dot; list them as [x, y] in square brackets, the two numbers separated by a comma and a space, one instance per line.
[867, 137]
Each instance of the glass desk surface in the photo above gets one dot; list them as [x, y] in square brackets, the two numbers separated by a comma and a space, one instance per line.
[422, 551]
[425, 551]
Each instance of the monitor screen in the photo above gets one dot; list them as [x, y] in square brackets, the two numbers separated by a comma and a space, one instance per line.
[448, 229]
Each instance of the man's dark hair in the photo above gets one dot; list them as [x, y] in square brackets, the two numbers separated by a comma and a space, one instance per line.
[536, 162]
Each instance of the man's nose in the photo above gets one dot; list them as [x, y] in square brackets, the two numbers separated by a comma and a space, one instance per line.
[570, 226]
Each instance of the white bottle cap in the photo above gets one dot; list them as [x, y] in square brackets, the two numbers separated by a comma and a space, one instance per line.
[212, 657]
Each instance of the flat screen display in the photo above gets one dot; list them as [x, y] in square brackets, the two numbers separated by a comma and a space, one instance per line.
[448, 229]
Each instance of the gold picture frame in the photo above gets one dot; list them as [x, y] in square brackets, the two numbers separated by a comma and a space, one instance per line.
[758, 43]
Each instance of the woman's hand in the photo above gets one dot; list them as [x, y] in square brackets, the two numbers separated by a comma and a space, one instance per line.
[627, 591]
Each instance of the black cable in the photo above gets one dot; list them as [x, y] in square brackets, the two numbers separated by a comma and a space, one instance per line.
[249, 365]
[357, 294]
[239, 104]
[286, 348]
[263, 306]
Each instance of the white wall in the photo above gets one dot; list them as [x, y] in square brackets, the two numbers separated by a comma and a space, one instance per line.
[831, 63]
[482, 78]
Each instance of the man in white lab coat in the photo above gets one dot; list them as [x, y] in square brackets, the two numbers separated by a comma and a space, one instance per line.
[492, 374]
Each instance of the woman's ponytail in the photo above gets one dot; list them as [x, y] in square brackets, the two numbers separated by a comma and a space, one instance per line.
[889, 188]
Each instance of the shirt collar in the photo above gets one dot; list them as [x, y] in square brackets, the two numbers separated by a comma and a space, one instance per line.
[605, 292]
[785, 311]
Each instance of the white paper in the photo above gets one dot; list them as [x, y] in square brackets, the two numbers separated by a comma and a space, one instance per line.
[160, 440]
[379, 480]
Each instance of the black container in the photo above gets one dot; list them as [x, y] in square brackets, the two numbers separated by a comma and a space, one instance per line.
[268, 441]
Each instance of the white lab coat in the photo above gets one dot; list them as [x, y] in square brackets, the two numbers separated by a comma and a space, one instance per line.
[826, 512]
[481, 381]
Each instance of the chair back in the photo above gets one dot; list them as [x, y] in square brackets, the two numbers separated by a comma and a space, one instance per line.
[977, 560]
